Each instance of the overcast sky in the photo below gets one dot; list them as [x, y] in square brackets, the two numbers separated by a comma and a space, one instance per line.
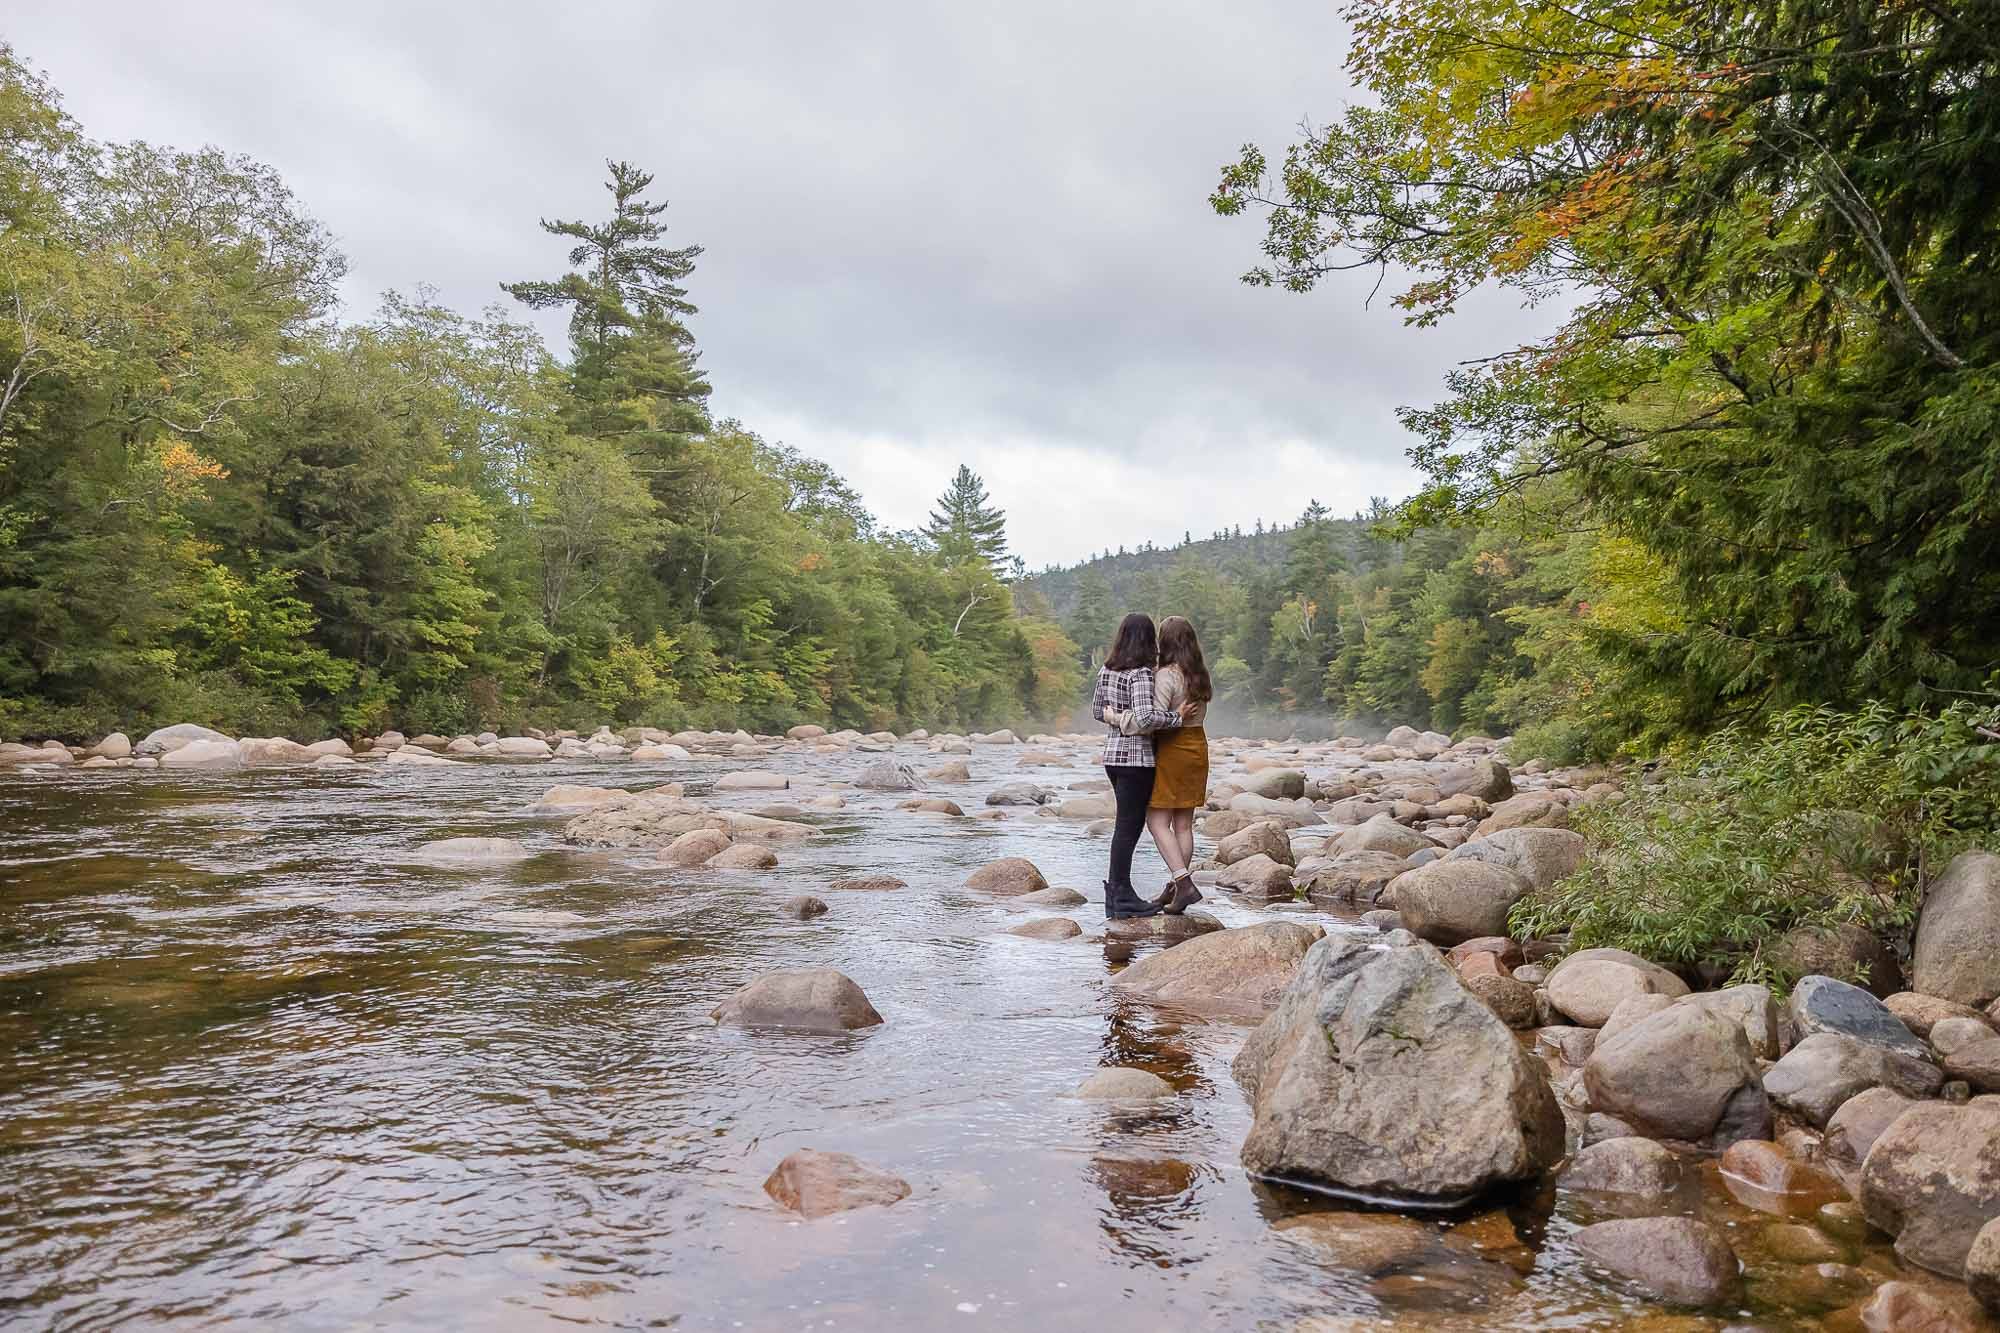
[935, 232]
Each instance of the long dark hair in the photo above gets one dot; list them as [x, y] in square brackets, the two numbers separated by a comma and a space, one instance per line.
[1137, 644]
[1180, 648]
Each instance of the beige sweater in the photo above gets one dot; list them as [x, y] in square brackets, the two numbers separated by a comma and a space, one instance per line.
[1170, 690]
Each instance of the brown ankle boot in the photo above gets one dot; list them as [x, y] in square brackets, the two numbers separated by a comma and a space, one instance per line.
[1182, 894]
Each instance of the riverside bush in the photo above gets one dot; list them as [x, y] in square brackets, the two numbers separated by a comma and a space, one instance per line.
[1818, 818]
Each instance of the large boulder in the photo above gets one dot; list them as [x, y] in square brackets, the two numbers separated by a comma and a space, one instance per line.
[167, 739]
[816, 999]
[1982, 1266]
[1683, 1074]
[1448, 901]
[115, 746]
[1380, 1074]
[1957, 953]
[203, 754]
[1678, 1260]
[273, 752]
[1823, 1071]
[1589, 984]
[1008, 877]
[1380, 834]
[1932, 1180]
[522, 747]
[569, 798]
[1267, 837]
[1540, 856]
[1088, 807]
[817, 1184]
[1239, 972]
[1825, 1004]
[1486, 779]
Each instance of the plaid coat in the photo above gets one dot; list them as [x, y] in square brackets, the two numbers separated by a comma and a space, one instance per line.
[1129, 692]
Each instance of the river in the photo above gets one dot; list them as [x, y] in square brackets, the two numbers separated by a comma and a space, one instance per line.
[258, 1068]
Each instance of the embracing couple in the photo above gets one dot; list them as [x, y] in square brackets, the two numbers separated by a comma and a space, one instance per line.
[1152, 695]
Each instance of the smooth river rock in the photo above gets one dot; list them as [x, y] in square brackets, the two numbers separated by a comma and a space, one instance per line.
[1682, 1074]
[1238, 972]
[1009, 877]
[473, 851]
[1823, 1071]
[816, 999]
[1380, 1074]
[1540, 856]
[1121, 1084]
[1628, 1165]
[1589, 984]
[1448, 902]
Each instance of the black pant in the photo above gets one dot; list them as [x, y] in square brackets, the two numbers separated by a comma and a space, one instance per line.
[1132, 787]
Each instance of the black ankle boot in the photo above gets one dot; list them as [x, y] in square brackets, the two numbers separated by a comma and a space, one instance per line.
[1180, 895]
[1122, 902]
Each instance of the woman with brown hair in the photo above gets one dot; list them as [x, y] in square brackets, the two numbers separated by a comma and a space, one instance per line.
[1123, 701]
[1180, 758]
[1179, 782]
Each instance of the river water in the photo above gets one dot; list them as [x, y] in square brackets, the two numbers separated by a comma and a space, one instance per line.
[259, 1069]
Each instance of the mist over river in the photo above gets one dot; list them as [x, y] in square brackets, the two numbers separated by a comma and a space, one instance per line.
[260, 1068]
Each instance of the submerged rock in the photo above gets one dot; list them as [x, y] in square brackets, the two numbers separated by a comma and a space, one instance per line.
[1674, 1259]
[1047, 928]
[817, 1184]
[867, 884]
[886, 774]
[1629, 1165]
[1121, 1084]
[569, 798]
[743, 856]
[804, 907]
[1380, 1074]
[473, 851]
[816, 999]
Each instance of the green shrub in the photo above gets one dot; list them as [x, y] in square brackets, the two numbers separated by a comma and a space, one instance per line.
[1819, 818]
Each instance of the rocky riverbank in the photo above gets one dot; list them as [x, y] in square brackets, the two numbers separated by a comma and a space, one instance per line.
[1419, 1057]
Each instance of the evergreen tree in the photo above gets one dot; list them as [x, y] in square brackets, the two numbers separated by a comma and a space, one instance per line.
[965, 526]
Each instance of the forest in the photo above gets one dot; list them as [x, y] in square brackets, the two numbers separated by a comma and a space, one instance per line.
[221, 503]
[1752, 467]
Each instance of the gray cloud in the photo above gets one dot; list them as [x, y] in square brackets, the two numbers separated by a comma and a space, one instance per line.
[934, 232]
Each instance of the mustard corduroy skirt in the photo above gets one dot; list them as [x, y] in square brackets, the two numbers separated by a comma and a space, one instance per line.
[1181, 780]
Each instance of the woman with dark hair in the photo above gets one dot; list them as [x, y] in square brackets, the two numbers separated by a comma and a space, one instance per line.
[1180, 784]
[1125, 688]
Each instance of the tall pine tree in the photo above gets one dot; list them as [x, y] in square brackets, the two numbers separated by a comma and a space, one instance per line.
[965, 526]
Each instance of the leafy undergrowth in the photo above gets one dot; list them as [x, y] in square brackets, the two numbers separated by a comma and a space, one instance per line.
[1817, 819]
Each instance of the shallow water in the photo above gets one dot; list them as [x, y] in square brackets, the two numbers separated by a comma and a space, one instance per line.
[257, 1068]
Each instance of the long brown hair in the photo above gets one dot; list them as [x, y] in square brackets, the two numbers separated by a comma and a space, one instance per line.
[1180, 648]
[1136, 645]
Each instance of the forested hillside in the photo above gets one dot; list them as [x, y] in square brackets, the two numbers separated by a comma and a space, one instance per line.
[220, 502]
